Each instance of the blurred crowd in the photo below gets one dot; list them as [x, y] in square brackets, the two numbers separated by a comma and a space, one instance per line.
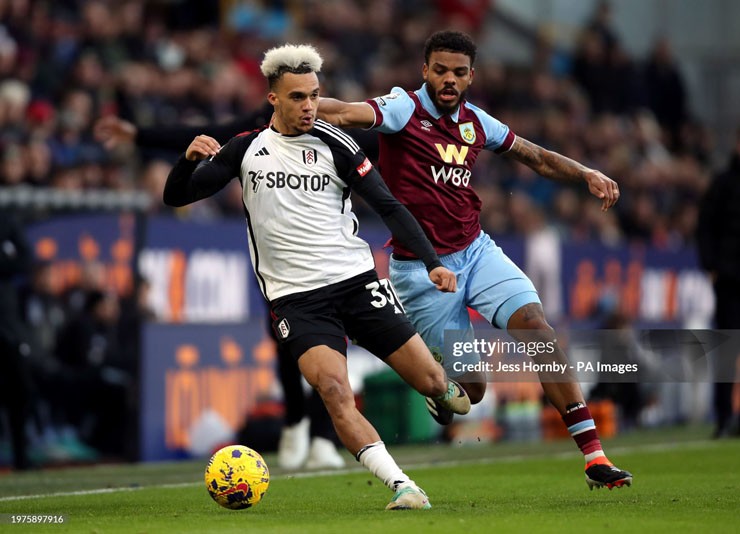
[67, 63]
[68, 361]
[64, 64]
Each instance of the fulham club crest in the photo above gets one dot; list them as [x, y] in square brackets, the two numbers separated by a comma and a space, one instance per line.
[310, 156]
[283, 329]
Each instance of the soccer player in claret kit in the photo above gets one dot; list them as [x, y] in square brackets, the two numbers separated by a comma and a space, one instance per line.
[429, 141]
[316, 274]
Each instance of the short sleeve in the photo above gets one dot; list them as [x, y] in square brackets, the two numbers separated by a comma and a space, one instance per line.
[392, 111]
[499, 138]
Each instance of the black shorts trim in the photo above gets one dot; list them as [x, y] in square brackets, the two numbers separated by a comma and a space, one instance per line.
[383, 344]
[300, 345]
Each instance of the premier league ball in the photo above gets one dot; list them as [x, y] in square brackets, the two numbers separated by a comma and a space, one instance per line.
[237, 477]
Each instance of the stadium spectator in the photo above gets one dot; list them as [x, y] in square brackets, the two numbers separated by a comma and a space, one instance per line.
[601, 25]
[620, 346]
[135, 311]
[44, 312]
[97, 374]
[315, 304]
[435, 173]
[91, 280]
[666, 94]
[42, 308]
[718, 238]
[591, 70]
[15, 377]
[15, 96]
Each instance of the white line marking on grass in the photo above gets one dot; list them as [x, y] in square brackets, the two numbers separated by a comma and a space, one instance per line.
[93, 491]
[655, 447]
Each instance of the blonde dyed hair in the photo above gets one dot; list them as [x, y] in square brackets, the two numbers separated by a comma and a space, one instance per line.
[296, 59]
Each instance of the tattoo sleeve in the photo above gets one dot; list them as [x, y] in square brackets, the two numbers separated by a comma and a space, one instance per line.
[545, 162]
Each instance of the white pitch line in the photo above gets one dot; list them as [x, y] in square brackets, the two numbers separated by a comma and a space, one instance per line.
[92, 492]
[656, 447]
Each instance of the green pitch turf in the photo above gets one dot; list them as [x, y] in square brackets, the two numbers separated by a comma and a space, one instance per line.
[683, 483]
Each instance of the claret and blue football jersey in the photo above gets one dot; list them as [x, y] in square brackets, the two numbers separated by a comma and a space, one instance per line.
[426, 159]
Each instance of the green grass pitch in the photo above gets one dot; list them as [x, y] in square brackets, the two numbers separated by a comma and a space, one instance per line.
[683, 483]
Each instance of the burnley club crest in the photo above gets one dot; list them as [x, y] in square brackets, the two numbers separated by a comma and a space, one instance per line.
[467, 132]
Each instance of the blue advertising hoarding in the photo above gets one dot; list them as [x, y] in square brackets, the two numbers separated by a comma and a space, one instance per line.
[208, 350]
[68, 242]
[190, 371]
[199, 272]
[650, 287]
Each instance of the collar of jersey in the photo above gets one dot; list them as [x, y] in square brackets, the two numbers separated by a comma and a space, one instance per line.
[286, 135]
[429, 106]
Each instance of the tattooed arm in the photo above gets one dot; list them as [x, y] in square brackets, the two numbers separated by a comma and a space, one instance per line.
[557, 167]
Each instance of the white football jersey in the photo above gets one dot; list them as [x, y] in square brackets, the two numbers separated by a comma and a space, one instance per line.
[296, 193]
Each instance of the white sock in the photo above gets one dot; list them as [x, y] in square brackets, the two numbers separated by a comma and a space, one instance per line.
[381, 464]
[592, 456]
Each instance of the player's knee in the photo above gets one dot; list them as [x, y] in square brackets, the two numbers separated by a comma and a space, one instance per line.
[542, 331]
[475, 390]
[335, 391]
[529, 324]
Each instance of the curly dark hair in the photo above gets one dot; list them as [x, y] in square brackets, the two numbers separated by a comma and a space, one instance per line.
[450, 41]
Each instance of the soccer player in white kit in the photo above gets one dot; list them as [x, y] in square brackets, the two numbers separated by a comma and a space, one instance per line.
[316, 273]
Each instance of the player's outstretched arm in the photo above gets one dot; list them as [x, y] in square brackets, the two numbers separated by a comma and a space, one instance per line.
[113, 131]
[558, 167]
[188, 183]
[346, 114]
